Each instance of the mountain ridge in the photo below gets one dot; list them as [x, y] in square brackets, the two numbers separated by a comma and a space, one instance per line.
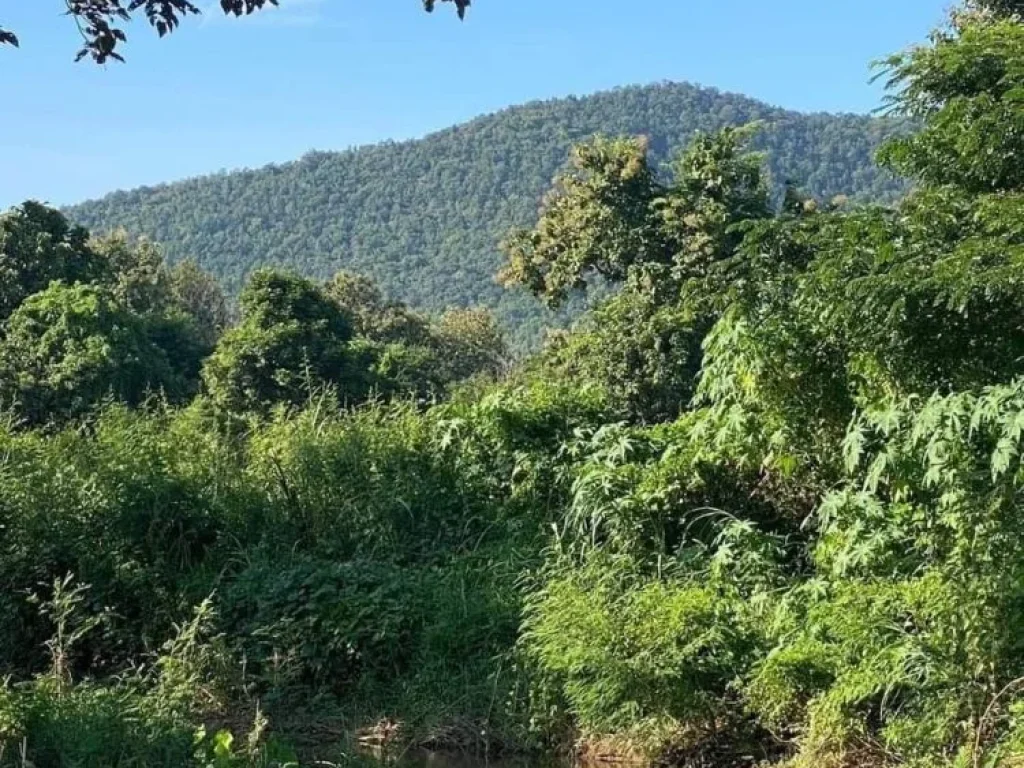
[423, 216]
[450, 129]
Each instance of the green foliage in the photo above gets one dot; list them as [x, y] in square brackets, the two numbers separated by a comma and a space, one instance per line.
[87, 320]
[598, 219]
[763, 501]
[424, 218]
[291, 340]
[409, 353]
[38, 246]
[90, 727]
[67, 348]
[634, 651]
[607, 217]
[644, 355]
[296, 338]
[140, 282]
[199, 295]
[372, 315]
[968, 86]
[470, 343]
[371, 555]
[861, 376]
[111, 320]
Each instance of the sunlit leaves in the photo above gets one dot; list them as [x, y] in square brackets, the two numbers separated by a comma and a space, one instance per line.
[598, 219]
[872, 359]
[609, 215]
[968, 86]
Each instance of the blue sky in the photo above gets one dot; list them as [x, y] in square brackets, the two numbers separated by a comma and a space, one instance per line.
[330, 74]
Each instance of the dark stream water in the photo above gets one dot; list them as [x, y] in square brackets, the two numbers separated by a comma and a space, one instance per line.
[426, 759]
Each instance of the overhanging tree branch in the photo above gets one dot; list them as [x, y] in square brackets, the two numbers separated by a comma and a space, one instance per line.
[100, 21]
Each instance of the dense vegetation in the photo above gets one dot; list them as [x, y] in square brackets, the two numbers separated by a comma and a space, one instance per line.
[761, 506]
[89, 320]
[424, 218]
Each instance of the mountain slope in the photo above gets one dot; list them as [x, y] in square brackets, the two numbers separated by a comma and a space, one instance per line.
[424, 217]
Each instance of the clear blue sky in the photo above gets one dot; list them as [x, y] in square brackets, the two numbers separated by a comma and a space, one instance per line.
[329, 74]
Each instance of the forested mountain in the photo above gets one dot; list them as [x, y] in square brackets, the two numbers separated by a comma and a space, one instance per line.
[762, 506]
[424, 218]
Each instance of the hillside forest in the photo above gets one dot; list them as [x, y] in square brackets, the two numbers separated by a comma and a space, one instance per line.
[759, 506]
[424, 218]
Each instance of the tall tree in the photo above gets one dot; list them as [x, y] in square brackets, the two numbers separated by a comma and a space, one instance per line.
[68, 347]
[609, 217]
[374, 316]
[37, 246]
[291, 339]
[140, 279]
[198, 294]
[470, 342]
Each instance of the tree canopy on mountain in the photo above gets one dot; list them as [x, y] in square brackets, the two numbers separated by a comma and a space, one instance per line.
[424, 218]
[763, 505]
